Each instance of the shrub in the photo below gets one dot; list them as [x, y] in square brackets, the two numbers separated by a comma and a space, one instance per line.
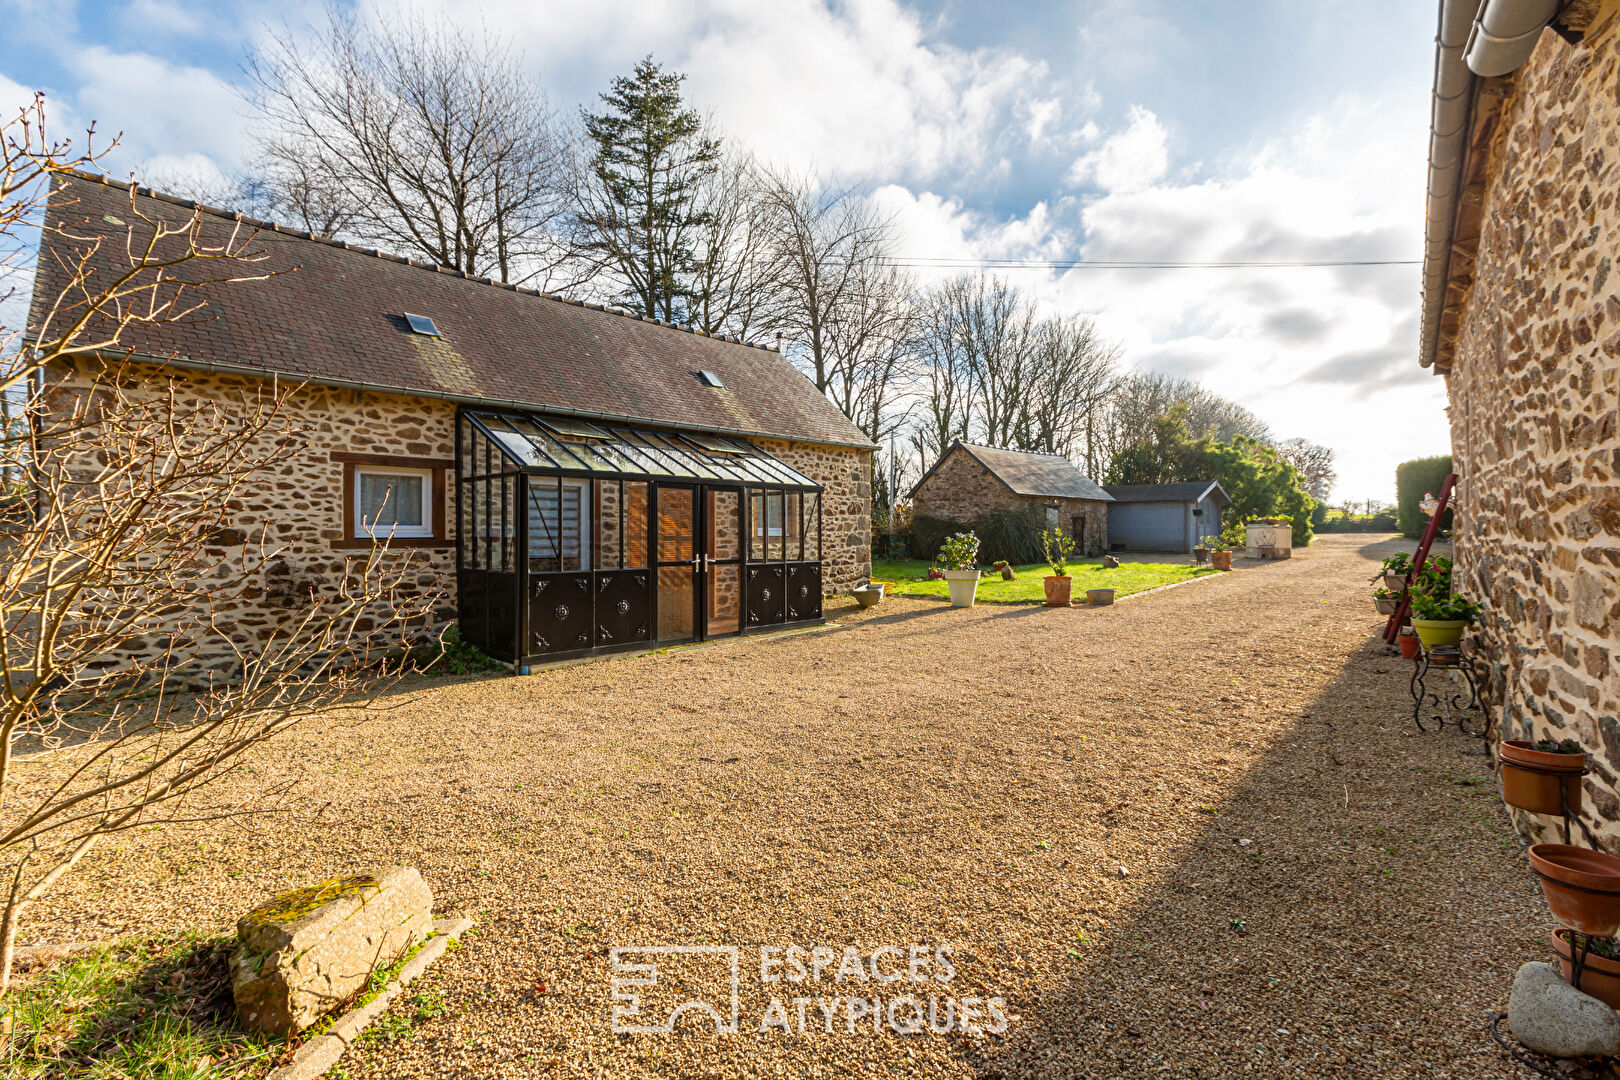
[959, 551]
[1004, 535]
[1412, 479]
[1057, 548]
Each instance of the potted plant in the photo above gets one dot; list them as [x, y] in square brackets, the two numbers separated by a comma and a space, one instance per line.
[956, 554]
[1386, 601]
[1220, 552]
[1600, 966]
[1582, 887]
[1411, 648]
[1440, 619]
[1394, 571]
[1200, 554]
[1058, 548]
[1537, 775]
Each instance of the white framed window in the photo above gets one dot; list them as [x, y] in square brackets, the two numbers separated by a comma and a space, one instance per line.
[390, 501]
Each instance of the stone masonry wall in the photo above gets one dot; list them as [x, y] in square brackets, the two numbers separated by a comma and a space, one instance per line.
[846, 507]
[962, 489]
[1534, 390]
[301, 511]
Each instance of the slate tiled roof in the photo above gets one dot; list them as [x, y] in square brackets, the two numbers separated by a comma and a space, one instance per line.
[335, 314]
[1190, 491]
[1050, 476]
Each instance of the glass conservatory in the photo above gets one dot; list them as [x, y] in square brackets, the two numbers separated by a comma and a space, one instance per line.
[576, 537]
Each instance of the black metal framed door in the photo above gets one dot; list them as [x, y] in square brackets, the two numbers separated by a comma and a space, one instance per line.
[678, 563]
[722, 556]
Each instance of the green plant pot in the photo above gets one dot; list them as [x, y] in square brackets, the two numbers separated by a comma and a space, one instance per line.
[1433, 632]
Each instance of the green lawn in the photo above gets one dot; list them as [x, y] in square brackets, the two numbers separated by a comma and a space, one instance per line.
[910, 578]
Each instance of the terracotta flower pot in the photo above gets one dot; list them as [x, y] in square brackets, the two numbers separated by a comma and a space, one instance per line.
[1058, 591]
[1533, 780]
[1222, 560]
[1600, 976]
[1411, 648]
[1582, 887]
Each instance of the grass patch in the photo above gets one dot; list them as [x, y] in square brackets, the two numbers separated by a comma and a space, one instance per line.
[910, 578]
[163, 1010]
[160, 1010]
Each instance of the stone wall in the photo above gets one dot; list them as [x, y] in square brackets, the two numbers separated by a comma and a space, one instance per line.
[961, 489]
[846, 507]
[301, 511]
[1534, 389]
[298, 513]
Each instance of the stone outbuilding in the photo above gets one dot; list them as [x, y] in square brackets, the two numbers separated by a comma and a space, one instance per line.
[969, 481]
[1521, 316]
[1164, 517]
[574, 477]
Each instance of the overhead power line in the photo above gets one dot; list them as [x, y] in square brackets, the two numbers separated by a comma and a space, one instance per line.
[921, 262]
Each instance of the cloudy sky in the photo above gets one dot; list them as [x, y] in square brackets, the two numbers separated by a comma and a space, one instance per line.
[1044, 131]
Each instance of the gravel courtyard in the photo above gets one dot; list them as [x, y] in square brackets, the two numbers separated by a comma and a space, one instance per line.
[1194, 834]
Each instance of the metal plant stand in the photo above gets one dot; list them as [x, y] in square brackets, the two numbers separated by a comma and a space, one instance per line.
[1457, 708]
[1558, 1068]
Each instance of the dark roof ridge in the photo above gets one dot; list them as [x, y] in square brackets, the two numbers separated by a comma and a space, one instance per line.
[1010, 450]
[378, 253]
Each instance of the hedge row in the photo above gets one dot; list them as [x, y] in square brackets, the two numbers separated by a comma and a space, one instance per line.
[1013, 535]
[1412, 479]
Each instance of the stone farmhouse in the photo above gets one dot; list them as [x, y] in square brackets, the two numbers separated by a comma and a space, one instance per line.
[1521, 315]
[577, 478]
[970, 480]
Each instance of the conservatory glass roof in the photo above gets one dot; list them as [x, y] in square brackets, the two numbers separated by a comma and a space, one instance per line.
[543, 445]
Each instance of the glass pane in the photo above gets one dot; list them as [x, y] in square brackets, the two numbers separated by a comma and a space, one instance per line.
[725, 599]
[635, 524]
[674, 600]
[756, 525]
[559, 522]
[725, 531]
[506, 559]
[773, 525]
[609, 526]
[388, 500]
[675, 532]
[792, 529]
[812, 527]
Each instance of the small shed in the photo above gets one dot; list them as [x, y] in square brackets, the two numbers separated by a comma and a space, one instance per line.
[969, 481]
[1164, 517]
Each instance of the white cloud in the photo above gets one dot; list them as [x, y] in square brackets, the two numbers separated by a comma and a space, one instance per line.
[158, 106]
[1128, 160]
[859, 89]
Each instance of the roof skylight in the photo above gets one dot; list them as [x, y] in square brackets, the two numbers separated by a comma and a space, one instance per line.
[709, 378]
[421, 324]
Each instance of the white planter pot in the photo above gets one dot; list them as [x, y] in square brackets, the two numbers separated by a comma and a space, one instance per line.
[964, 586]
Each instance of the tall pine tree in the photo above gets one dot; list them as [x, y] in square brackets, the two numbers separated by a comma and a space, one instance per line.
[640, 208]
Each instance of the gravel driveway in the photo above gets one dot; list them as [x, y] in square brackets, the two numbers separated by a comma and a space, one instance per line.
[1194, 834]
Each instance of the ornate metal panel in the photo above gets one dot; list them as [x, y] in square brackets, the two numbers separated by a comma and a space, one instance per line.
[623, 607]
[766, 586]
[803, 591]
[561, 616]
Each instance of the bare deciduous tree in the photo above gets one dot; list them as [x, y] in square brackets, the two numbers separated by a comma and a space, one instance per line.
[120, 578]
[835, 248]
[736, 285]
[414, 136]
[1314, 462]
[1074, 373]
